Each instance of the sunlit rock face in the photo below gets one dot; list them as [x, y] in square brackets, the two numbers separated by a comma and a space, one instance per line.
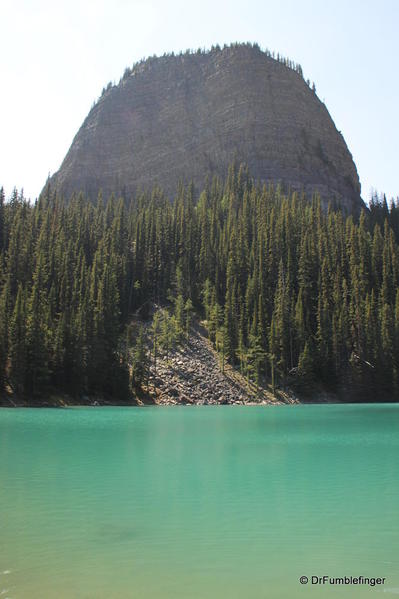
[189, 116]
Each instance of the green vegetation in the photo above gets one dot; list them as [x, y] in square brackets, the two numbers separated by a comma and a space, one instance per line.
[290, 294]
[146, 63]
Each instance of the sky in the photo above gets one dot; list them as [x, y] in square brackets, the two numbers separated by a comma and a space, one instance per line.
[56, 56]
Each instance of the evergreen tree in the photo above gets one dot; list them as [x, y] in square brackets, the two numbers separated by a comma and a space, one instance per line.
[139, 361]
[17, 343]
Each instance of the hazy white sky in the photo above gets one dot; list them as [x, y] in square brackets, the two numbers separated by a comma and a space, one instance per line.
[56, 56]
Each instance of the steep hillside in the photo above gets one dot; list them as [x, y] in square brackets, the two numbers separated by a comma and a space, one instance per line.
[185, 117]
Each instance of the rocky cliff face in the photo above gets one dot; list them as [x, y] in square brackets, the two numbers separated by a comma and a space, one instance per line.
[185, 117]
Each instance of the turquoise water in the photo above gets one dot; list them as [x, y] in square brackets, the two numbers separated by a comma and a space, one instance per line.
[204, 502]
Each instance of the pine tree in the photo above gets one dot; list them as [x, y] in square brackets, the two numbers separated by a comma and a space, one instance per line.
[155, 332]
[5, 309]
[222, 344]
[255, 358]
[188, 311]
[306, 367]
[17, 343]
[139, 364]
[179, 314]
[37, 332]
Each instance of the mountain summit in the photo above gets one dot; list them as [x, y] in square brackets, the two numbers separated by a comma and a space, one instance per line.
[182, 118]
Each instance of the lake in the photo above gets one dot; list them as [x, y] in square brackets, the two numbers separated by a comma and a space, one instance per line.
[198, 502]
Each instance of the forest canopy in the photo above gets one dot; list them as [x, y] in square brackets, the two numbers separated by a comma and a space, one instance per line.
[291, 293]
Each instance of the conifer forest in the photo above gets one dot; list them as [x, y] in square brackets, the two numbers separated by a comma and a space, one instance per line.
[292, 294]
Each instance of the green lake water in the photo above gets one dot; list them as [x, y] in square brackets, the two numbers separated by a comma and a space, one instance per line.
[198, 502]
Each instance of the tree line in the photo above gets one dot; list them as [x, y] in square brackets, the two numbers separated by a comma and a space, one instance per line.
[146, 63]
[290, 294]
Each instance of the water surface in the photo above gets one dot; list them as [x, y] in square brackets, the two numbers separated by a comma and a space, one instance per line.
[205, 502]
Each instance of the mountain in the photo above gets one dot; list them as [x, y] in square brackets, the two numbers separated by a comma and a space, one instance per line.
[182, 118]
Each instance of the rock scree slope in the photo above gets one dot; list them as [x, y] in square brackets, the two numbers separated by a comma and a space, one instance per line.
[192, 374]
[182, 118]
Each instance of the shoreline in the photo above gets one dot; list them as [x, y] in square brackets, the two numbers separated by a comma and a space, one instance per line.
[192, 375]
[63, 401]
